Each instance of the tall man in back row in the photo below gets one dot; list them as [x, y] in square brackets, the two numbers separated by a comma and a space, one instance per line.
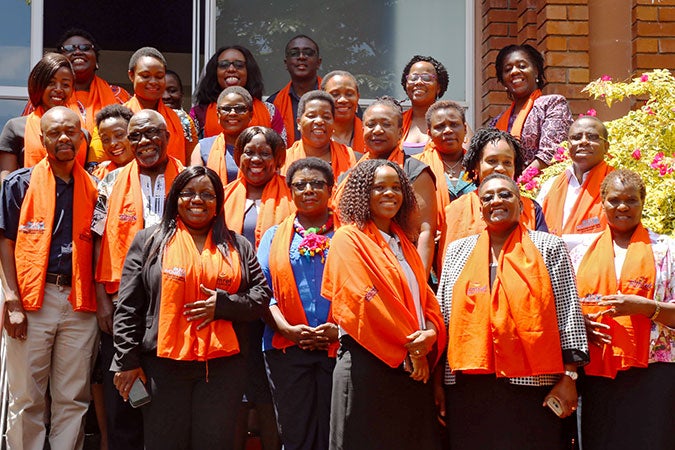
[302, 62]
[47, 259]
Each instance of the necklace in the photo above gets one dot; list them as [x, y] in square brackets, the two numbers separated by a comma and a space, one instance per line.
[314, 242]
[450, 168]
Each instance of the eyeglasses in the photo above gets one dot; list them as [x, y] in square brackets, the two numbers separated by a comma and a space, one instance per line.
[425, 77]
[590, 137]
[224, 64]
[189, 195]
[296, 52]
[316, 185]
[237, 109]
[503, 195]
[70, 48]
[149, 134]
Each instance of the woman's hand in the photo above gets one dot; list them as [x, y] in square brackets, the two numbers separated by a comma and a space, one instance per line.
[626, 305]
[303, 335]
[202, 309]
[420, 366]
[565, 391]
[421, 342]
[104, 309]
[594, 330]
[125, 379]
[324, 335]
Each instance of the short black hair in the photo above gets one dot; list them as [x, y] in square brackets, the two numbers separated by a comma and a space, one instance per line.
[81, 33]
[483, 137]
[41, 75]
[273, 139]
[312, 163]
[389, 102]
[441, 72]
[315, 95]
[152, 52]
[444, 104]
[298, 36]
[114, 110]
[173, 73]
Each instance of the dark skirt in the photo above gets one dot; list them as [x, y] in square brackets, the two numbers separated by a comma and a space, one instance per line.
[484, 412]
[636, 410]
[376, 407]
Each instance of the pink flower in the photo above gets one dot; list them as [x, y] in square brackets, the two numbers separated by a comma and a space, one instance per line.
[606, 78]
[559, 155]
[649, 111]
[644, 78]
[637, 154]
[656, 161]
[591, 112]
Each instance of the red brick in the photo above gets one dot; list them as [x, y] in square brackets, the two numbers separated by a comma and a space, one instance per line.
[556, 75]
[556, 43]
[666, 45]
[578, 43]
[496, 29]
[579, 106]
[573, 2]
[666, 14]
[645, 45]
[567, 59]
[567, 28]
[645, 13]
[651, 2]
[567, 90]
[655, 29]
[577, 12]
[652, 61]
[578, 75]
[501, 15]
[556, 12]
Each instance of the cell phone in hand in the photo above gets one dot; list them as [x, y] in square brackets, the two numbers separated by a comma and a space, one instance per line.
[138, 395]
[555, 405]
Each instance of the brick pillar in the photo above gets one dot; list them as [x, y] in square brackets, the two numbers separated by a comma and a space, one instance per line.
[653, 35]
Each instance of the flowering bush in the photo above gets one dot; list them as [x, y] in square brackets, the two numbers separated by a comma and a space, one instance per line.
[643, 141]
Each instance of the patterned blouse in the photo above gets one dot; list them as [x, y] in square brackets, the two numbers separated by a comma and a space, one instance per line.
[662, 339]
[545, 128]
[570, 320]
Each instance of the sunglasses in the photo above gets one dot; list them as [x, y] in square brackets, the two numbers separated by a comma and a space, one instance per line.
[225, 64]
[149, 134]
[237, 109]
[296, 52]
[189, 195]
[301, 186]
[503, 195]
[425, 77]
[70, 48]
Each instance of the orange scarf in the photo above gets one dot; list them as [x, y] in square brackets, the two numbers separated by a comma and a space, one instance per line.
[597, 276]
[517, 128]
[216, 159]
[369, 291]
[124, 220]
[463, 218]
[276, 204]
[184, 268]
[176, 147]
[588, 215]
[407, 123]
[102, 170]
[341, 157]
[261, 117]
[285, 286]
[511, 330]
[432, 158]
[397, 155]
[34, 235]
[284, 104]
[33, 150]
[358, 143]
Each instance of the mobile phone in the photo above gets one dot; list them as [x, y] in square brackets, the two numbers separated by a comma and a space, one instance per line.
[554, 404]
[138, 395]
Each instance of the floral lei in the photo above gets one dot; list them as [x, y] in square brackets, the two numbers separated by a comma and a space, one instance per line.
[314, 241]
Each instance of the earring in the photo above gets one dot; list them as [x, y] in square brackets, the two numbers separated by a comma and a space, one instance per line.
[537, 80]
[96, 66]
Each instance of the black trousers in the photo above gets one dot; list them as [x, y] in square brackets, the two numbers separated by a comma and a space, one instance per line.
[125, 424]
[301, 384]
[189, 410]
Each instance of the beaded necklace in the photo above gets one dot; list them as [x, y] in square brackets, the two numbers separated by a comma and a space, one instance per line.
[314, 241]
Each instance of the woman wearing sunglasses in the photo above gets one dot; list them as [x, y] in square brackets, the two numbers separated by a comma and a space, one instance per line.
[232, 65]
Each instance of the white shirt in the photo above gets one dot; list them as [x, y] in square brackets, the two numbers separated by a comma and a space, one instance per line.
[574, 189]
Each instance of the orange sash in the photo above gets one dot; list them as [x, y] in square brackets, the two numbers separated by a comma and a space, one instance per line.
[597, 276]
[176, 147]
[216, 159]
[431, 158]
[34, 235]
[285, 106]
[517, 128]
[124, 220]
[370, 296]
[33, 150]
[588, 215]
[397, 155]
[103, 169]
[511, 330]
[341, 157]
[407, 123]
[463, 218]
[285, 286]
[276, 204]
[261, 117]
[184, 268]
[358, 143]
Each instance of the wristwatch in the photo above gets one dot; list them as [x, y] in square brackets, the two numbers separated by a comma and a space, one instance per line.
[572, 374]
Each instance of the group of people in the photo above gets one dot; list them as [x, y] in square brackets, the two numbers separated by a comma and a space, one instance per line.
[360, 280]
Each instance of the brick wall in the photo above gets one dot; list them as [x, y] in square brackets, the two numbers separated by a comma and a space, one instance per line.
[653, 30]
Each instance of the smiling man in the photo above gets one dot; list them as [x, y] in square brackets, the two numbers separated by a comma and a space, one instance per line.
[129, 199]
[302, 62]
[571, 201]
[46, 253]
